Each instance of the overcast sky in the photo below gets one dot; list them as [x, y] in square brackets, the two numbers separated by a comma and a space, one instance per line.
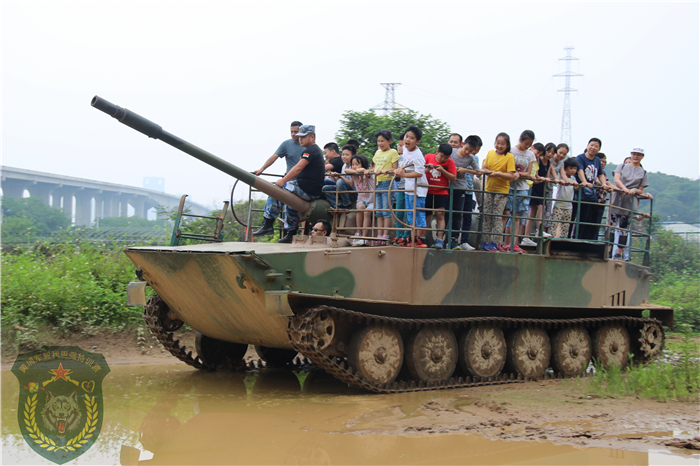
[230, 77]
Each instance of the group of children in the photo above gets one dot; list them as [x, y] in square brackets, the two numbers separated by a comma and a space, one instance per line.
[527, 180]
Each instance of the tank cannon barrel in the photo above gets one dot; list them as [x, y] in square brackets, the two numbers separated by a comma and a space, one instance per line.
[155, 131]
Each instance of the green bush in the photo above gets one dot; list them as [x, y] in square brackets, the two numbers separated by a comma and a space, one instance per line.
[682, 292]
[67, 287]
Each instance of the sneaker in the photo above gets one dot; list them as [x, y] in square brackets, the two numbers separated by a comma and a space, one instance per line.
[401, 241]
[618, 257]
[454, 245]
[518, 249]
[502, 248]
[528, 242]
[439, 244]
[489, 247]
[467, 247]
[544, 234]
[419, 243]
[358, 242]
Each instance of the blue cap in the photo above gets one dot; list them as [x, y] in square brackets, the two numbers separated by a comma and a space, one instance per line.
[306, 129]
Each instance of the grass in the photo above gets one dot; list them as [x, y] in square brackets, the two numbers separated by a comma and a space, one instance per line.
[64, 289]
[674, 375]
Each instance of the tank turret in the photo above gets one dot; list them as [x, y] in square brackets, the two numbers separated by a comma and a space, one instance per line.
[317, 208]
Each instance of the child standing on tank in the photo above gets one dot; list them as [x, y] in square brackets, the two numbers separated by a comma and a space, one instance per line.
[467, 164]
[364, 181]
[385, 160]
[413, 170]
[441, 169]
[563, 205]
[499, 166]
[524, 159]
[544, 167]
[402, 235]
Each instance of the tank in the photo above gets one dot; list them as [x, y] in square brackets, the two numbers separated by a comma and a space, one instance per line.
[393, 319]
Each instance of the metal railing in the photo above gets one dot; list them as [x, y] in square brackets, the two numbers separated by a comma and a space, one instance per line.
[604, 232]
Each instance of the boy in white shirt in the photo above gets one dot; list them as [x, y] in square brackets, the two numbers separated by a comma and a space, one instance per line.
[413, 170]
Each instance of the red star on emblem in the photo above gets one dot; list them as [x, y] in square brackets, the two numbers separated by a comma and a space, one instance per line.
[60, 373]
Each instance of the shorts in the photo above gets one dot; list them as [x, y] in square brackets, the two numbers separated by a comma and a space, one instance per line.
[420, 214]
[369, 206]
[522, 204]
[437, 201]
[383, 200]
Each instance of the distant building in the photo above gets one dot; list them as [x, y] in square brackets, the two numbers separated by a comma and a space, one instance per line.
[154, 183]
[685, 230]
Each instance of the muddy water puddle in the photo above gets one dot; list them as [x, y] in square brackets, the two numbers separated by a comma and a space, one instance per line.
[168, 414]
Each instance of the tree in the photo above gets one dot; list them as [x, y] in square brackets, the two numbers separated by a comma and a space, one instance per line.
[23, 220]
[362, 126]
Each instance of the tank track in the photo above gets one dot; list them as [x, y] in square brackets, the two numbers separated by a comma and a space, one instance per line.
[155, 315]
[300, 331]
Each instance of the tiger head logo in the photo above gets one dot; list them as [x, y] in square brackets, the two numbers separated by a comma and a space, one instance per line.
[61, 414]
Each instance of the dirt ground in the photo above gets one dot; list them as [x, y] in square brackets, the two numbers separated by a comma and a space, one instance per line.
[558, 411]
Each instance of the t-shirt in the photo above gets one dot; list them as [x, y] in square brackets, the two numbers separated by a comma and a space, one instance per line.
[464, 180]
[402, 181]
[502, 163]
[557, 166]
[435, 177]
[564, 193]
[310, 179]
[291, 151]
[364, 183]
[522, 161]
[416, 158]
[591, 170]
[632, 178]
[542, 170]
[385, 161]
[337, 164]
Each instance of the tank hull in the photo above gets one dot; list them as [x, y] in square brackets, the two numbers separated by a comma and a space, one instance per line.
[228, 291]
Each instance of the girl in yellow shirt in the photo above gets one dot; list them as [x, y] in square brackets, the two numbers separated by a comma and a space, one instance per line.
[499, 167]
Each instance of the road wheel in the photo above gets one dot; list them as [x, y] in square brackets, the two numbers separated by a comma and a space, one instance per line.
[275, 357]
[482, 351]
[611, 345]
[218, 354]
[431, 354]
[571, 351]
[376, 353]
[529, 351]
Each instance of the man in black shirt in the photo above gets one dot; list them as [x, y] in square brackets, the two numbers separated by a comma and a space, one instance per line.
[305, 179]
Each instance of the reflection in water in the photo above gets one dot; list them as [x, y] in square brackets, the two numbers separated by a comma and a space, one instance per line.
[167, 414]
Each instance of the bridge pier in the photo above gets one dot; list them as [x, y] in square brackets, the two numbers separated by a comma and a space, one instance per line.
[83, 208]
[41, 190]
[13, 188]
[63, 199]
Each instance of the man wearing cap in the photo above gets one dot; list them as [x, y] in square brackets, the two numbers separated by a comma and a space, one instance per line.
[290, 150]
[631, 179]
[305, 179]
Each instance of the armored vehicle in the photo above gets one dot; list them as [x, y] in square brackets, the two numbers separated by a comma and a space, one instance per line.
[392, 319]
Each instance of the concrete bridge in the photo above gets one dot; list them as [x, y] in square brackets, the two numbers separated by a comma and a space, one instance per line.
[86, 200]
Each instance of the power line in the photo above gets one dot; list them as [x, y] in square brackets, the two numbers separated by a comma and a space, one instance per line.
[566, 117]
[389, 105]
